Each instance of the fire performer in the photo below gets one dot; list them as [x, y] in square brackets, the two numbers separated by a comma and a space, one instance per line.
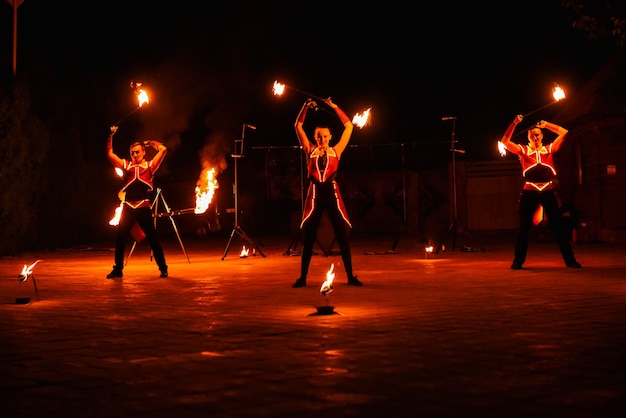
[538, 170]
[322, 162]
[138, 175]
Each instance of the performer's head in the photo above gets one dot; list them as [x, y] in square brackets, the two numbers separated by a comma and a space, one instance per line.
[322, 136]
[137, 151]
[535, 137]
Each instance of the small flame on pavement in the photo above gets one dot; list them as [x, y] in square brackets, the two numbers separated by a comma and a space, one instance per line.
[327, 286]
[27, 271]
[244, 252]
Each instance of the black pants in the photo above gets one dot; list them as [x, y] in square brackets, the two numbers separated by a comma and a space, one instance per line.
[529, 201]
[143, 216]
[325, 201]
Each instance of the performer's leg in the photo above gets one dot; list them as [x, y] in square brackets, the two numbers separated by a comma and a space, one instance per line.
[127, 219]
[527, 206]
[558, 226]
[341, 235]
[309, 232]
[144, 219]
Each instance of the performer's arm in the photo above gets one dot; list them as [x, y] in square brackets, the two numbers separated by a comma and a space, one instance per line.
[347, 128]
[158, 157]
[559, 130]
[113, 158]
[506, 138]
[302, 137]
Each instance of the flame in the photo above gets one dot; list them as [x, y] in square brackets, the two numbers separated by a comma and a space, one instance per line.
[538, 215]
[119, 172]
[501, 149]
[429, 248]
[360, 120]
[27, 271]
[327, 286]
[142, 97]
[205, 189]
[558, 93]
[244, 252]
[115, 220]
[278, 88]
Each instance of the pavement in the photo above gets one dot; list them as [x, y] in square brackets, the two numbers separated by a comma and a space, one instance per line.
[452, 334]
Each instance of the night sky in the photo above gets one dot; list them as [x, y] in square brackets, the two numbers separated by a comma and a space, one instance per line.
[209, 67]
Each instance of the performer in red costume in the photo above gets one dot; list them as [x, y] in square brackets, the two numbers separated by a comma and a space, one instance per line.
[138, 183]
[322, 162]
[538, 171]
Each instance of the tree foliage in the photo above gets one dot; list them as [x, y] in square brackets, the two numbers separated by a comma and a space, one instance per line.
[600, 19]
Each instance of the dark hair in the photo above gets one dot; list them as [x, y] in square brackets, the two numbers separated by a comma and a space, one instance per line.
[134, 144]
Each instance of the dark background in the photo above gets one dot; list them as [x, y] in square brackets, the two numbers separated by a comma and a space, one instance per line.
[209, 68]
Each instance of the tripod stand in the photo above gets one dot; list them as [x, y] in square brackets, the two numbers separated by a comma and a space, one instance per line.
[237, 228]
[154, 206]
[404, 220]
[454, 225]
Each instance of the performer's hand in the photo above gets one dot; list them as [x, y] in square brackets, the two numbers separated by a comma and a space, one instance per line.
[519, 118]
[541, 124]
[330, 103]
[113, 129]
[311, 104]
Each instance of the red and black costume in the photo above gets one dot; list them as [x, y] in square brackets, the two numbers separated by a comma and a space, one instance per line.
[138, 183]
[538, 170]
[323, 195]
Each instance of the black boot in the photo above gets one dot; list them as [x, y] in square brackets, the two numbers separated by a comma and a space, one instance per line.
[116, 273]
[299, 283]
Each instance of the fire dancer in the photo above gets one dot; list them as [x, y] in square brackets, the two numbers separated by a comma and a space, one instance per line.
[323, 194]
[539, 171]
[138, 175]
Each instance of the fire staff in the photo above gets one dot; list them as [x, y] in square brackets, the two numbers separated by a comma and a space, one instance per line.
[138, 175]
[538, 170]
[322, 162]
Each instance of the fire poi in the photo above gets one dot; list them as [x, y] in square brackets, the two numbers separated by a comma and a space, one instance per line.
[142, 98]
[557, 93]
[359, 120]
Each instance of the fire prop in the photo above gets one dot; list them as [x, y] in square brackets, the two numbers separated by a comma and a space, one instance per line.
[429, 249]
[244, 252]
[327, 287]
[557, 93]
[142, 98]
[27, 272]
[205, 189]
[359, 119]
[279, 89]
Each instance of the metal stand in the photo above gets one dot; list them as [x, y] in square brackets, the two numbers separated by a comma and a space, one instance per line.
[454, 225]
[237, 229]
[154, 206]
[403, 228]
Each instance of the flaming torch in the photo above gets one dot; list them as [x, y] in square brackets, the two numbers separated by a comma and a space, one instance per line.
[327, 287]
[27, 272]
[279, 89]
[205, 189]
[142, 98]
[362, 119]
[557, 93]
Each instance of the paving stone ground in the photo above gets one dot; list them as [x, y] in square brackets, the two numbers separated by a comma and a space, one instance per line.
[454, 334]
